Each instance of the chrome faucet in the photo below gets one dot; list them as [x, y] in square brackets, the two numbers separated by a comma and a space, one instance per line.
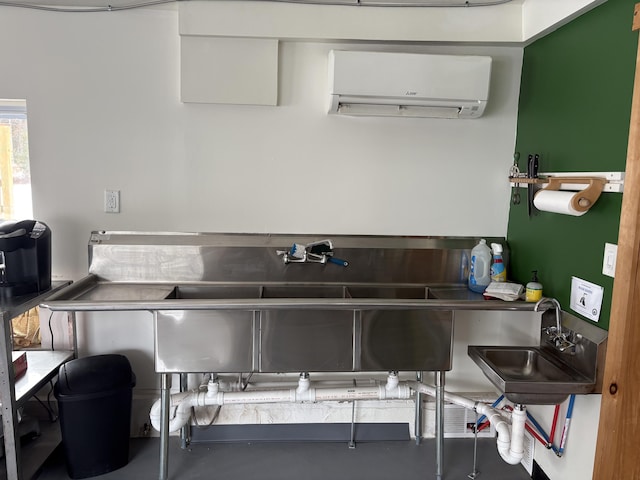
[315, 252]
[557, 337]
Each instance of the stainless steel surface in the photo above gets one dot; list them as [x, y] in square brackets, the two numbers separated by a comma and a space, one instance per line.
[546, 374]
[306, 341]
[557, 337]
[9, 397]
[339, 338]
[440, 379]
[203, 341]
[528, 375]
[285, 303]
[407, 340]
[93, 293]
[186, 430]
[165, 392]
[238, 307]
[352, 437]
[418, 415]
[228, 258]
[42, 366]
[14, 306]
[588, 356]
[229, 303]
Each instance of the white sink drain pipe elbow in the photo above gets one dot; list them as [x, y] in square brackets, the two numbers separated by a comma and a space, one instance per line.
[179, 415]
[181, 403]
[510, 442]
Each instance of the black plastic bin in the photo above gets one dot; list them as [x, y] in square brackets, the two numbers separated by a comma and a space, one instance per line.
[94, 404]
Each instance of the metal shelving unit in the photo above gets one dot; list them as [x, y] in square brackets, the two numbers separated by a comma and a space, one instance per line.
[42, 367]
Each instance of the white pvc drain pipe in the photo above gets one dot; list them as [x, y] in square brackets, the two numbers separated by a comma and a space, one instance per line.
[510, 441]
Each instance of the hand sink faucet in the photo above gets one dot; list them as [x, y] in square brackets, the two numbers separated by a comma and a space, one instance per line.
[558, 338]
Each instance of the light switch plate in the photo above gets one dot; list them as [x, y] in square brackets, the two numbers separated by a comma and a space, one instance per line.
[609, 259]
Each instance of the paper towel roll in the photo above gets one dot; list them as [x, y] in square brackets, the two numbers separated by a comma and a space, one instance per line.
[557, 202]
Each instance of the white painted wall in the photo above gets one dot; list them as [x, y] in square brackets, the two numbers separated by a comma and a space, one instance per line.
[102, 95]
[102, 98]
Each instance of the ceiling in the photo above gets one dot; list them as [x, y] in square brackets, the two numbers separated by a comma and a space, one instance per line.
[111, 5]
[529, 19]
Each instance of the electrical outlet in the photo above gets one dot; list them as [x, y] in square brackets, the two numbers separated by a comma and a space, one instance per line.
[609, 260]
[112, 201]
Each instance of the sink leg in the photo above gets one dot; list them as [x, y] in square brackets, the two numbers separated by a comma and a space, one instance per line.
[165, 398]
[185, 432]
[474, 473]
[352, 441]
[439, 423]
[418, 419]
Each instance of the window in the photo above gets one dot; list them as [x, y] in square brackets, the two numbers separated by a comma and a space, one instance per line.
[15, 179]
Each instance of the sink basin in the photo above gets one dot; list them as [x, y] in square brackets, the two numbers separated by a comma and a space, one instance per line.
[214, 292]
[529, 375]
[388, 292]
[303, 291]
[200, 292]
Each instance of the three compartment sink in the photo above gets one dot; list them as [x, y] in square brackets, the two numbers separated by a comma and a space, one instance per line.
[298, 291]
[275, 328]
[530, 375]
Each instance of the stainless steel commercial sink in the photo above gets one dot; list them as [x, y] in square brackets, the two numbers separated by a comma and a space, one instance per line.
[232, 303]
[548, 373]
[528, 375]
[229, 303]
[334, 336]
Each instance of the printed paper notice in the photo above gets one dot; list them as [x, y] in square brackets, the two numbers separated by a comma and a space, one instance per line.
[586, 298]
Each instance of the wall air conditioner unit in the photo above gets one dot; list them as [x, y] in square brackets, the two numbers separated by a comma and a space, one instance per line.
[408, 84]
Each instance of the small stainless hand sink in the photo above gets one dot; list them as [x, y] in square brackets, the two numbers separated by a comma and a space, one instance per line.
[529, 375]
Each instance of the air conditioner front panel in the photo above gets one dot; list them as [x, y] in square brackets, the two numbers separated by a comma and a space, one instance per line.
[410, 80]
[411, 75]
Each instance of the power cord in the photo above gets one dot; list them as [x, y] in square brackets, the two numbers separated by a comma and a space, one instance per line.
[51, 332]
[53, 416]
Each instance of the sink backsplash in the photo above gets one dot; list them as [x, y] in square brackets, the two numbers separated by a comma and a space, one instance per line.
[214, 257]
[588, 354]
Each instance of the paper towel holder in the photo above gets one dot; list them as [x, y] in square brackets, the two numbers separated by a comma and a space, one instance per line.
[587, 185]
[584, 199]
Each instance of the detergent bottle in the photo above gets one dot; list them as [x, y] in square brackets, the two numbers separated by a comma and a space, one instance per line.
[480, 267]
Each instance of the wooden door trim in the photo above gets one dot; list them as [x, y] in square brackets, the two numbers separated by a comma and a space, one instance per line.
[618, 440]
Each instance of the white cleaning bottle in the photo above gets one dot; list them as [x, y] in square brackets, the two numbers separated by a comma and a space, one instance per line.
[480, 267]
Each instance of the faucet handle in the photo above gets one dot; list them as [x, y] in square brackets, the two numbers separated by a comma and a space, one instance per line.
[562, 344]
[338, 261]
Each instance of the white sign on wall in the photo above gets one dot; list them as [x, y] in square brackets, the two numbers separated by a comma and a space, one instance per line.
[586, 298]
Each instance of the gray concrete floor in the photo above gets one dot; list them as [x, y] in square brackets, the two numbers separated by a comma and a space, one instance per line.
[304, 460]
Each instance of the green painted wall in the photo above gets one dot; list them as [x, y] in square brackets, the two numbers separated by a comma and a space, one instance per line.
[574, 110]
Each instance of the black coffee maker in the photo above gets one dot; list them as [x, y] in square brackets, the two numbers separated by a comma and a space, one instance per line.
[25, 258]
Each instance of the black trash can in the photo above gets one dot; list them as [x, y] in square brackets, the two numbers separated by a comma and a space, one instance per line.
[94, 404]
